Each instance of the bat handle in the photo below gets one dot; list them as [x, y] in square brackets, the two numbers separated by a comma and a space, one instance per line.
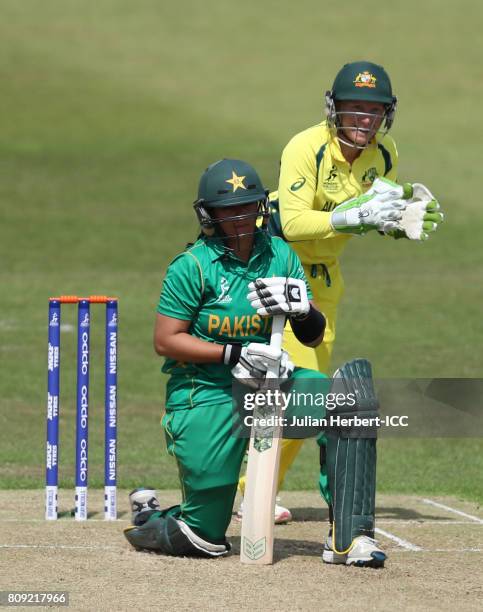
[278, 324]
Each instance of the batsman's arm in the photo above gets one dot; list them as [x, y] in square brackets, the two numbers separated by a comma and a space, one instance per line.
[310, 329]
[171, 339]
[181, 295]
[248, 363]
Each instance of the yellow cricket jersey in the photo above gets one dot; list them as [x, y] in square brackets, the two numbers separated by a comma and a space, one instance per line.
[315, 178]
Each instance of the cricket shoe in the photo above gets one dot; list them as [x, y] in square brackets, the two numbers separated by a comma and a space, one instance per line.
[364, 553]
[281, 515]
[143, 503]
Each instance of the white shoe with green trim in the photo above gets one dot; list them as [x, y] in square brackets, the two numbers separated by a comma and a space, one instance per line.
[364, 553]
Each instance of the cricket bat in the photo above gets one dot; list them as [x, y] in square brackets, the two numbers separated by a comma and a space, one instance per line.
[256, 542]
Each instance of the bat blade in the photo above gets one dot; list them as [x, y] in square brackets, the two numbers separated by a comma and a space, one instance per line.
[257, 532]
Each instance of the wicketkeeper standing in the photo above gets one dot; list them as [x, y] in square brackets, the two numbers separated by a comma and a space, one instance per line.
[337, 180]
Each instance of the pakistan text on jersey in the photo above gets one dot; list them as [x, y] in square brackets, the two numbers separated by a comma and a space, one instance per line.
[245, 325]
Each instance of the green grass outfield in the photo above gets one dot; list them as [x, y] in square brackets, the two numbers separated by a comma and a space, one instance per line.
[109, 112]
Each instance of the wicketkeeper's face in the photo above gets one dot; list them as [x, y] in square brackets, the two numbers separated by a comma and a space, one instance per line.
[359, 121]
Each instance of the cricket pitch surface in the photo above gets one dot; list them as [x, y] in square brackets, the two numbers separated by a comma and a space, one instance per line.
[434, 545]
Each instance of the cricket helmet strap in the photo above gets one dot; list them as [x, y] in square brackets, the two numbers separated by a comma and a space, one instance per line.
[205, 221]
[390, 113]
[226, 183]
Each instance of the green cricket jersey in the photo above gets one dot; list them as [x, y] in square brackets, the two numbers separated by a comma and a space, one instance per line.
[208, 286]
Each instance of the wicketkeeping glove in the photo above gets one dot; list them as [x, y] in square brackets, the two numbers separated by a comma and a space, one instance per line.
[421, 215]
[254, 361]
[380, 208]
[279, 296]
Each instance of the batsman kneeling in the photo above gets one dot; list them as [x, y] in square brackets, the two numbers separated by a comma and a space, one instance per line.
[213, 325]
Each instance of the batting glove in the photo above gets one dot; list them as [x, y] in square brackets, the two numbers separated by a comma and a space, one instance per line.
[279, 296]
[254, 360]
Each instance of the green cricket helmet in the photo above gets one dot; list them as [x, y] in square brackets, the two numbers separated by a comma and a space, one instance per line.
[361, 81]
[226, 183]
